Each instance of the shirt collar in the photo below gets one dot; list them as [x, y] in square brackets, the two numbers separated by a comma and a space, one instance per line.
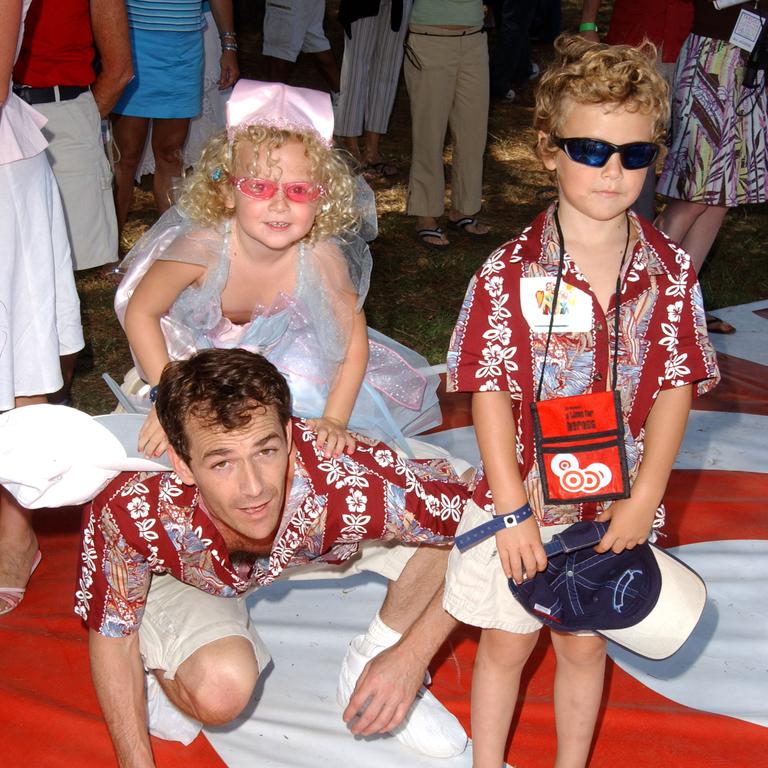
[643, 258]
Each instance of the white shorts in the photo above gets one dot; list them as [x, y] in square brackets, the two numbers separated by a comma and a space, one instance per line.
[80, 164]
[292, 27]
[477, 591]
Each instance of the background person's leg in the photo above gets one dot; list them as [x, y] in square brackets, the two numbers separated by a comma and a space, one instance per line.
[129, 134]
[692, 225]
[168, 137]
[469, 127]
[18, 543]
[430, 73]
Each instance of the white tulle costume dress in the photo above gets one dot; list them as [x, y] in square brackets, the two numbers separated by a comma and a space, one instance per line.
[305, 334]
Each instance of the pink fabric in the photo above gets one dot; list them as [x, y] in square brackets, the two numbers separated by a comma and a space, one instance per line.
[302, 109]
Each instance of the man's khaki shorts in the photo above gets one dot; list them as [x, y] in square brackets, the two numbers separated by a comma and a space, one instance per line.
[180, 619]
[476, 589]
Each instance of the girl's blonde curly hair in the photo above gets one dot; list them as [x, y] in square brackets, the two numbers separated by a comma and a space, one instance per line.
[594, 73]
[206, 194]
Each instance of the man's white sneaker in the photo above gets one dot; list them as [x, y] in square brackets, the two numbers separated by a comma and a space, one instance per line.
[429, 728]
[166, 720]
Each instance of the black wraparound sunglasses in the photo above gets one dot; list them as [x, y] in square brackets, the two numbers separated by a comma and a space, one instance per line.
[595, 153]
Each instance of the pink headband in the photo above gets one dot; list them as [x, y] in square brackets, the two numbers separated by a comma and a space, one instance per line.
[282, 106]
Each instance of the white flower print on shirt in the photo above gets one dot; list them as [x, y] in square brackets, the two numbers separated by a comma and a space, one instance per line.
[145, 529]
[384, 458]
[494, 286]
[334, 472]
[674, 311]
[674, 367]
[357, 501]
[494, 356]
[134, 485]
[138, 507]
[677, 285]
[451, 507]
[355, 526]
[499, 332]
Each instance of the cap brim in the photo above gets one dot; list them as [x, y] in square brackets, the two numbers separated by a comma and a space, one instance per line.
[55, 456]
[673, 618]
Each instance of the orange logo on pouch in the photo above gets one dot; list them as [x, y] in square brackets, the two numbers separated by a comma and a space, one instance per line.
[580, 448]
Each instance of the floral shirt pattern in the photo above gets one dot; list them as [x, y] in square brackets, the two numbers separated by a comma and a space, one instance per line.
[662, 343]
[144, 523]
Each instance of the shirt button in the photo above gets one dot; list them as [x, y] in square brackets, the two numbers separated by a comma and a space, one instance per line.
[569, 574]
[598, 376]
[598, 326]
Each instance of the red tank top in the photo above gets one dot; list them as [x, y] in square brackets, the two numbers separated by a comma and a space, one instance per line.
[58, 45]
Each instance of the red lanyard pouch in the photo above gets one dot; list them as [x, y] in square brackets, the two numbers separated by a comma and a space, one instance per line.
[579, 440]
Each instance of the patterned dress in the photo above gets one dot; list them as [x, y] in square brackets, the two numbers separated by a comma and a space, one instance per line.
[718, 153]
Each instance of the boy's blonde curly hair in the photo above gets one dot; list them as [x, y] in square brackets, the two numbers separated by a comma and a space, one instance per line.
[207, 191]
[595, 73]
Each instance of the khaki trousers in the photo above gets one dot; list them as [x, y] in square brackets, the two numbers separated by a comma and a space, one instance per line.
[447, 79]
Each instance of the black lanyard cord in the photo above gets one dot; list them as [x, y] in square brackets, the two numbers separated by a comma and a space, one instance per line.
[556, 293]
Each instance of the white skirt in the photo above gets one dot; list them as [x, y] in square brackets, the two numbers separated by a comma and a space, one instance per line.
[39, 306]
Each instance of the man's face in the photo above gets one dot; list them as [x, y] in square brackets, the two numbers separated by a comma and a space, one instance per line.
[241, 475]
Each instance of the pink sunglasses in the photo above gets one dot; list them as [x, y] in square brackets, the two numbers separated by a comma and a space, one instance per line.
[264, 189]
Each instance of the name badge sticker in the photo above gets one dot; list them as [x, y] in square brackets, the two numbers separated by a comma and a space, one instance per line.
[573, 313]
[747, 30]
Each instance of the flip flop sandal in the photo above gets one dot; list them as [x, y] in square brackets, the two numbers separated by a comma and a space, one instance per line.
[423, 234]
[467, 221]
[381, 169]
[10, 597]
[716, 325]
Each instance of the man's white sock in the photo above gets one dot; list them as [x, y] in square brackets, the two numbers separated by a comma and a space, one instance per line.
[379, 636]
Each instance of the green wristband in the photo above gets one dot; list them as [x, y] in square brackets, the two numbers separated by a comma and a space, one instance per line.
[588, 26]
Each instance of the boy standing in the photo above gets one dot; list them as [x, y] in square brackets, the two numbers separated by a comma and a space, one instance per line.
[629, 318]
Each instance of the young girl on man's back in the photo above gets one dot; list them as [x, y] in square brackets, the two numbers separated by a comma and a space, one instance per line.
[261, 253]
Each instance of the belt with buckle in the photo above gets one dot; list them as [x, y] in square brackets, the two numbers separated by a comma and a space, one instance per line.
[50, 93]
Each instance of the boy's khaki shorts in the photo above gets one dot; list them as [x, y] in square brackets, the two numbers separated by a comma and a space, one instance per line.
[476, 589]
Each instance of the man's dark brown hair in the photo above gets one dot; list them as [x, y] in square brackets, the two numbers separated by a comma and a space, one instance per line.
[220, 388]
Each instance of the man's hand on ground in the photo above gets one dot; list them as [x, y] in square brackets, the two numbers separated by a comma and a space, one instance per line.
[384, 692]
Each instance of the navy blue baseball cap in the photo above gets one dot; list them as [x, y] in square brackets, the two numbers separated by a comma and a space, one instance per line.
[643, 598]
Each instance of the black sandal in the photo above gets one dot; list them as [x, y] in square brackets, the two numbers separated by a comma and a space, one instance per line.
[380, 170]
[423, 234]
[462, 224]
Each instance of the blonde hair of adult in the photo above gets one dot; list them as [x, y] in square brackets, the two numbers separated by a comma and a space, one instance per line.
[206, 195]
